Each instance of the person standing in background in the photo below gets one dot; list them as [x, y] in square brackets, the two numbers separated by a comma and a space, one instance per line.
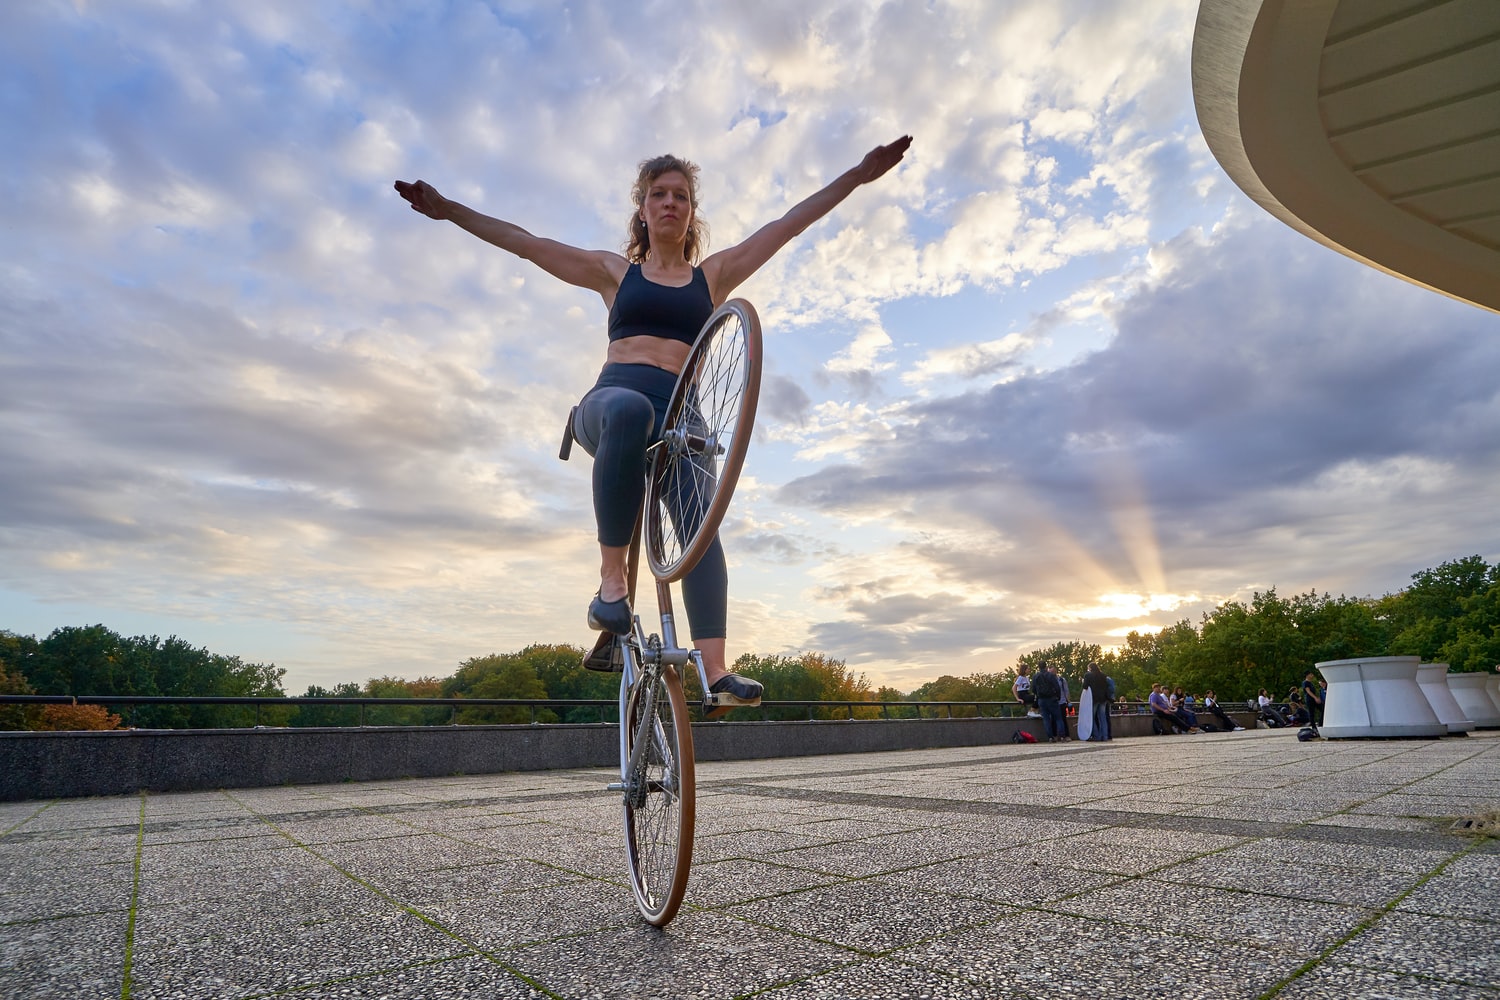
[1098, 685]
[1312, 697]
[1048, 698]
[1064, 704]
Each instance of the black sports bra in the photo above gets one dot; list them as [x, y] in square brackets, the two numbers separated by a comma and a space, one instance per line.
[644, 308]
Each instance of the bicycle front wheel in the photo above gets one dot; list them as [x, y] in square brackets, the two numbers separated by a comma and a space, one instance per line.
[706, 433]
[660, 795]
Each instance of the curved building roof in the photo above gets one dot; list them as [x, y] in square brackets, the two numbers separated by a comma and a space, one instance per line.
[1372, 126]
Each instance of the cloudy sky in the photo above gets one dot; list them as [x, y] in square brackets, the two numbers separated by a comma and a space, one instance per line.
[1054, 378]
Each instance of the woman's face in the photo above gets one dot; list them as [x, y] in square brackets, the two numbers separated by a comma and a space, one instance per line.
[668, 207]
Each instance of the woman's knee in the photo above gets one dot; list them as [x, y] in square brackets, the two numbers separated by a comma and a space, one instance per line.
[614, 417]
[629, 418]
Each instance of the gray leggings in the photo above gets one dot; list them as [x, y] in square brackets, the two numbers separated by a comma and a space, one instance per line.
[618, 419]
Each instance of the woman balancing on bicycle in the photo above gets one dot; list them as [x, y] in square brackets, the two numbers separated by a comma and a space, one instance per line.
[659, 297]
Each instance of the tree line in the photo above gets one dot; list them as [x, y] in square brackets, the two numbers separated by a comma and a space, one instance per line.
[1448, 614]
[92, 660]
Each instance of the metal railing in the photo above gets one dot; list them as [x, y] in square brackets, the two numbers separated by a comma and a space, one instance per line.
[605, 708]
[534, 705]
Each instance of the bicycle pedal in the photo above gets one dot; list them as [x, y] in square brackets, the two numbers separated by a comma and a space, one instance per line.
[718, 705]
[605, 657]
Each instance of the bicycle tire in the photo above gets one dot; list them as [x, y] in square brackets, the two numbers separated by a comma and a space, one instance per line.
[660, 804]
[705, 436]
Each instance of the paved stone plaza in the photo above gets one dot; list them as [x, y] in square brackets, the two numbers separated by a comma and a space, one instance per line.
[1228, 865]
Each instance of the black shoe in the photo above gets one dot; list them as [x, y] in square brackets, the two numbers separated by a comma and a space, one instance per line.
[611, 616]
[732, 691]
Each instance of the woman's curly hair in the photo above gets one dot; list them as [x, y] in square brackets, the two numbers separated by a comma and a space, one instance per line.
[638, 246]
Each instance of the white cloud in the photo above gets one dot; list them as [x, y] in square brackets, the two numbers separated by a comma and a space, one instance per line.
[970, 360]
[97, 196]
[863, 354]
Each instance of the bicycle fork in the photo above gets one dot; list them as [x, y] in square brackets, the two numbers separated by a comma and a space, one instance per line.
[640, 683]
[642, 660]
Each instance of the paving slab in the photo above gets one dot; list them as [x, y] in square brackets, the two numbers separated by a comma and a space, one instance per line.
[1217, 866]
[1333, 981]
[869, 916]
[1449, 949]
[64, 957]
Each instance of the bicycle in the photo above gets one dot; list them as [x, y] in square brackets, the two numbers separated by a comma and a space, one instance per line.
[691, 476]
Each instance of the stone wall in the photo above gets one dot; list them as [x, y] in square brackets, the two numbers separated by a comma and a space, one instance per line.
[122, 762]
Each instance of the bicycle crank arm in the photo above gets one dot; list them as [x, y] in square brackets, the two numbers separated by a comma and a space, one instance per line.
[697, 659]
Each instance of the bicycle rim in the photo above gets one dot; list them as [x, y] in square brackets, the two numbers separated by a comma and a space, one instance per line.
[660, 805]
[704, 440]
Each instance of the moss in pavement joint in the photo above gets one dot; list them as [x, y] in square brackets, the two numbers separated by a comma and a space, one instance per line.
[135, 898]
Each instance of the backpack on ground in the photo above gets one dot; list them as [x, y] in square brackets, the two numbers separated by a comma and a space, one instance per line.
[1022, 736]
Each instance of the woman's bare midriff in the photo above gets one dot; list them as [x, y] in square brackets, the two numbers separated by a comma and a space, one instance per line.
[658, 351]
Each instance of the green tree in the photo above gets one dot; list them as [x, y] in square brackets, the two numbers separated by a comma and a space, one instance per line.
[93, 660]
[405, 715]
[90, 660]
[499, 675]
[1135, 664]
[1424, 617]
[13, 652]
[561, 671]
[1338, 628]
[1247, 648]
[784, 678]
[18, 653]
[808, 676]
[978, 687]
[835, 680]
[327, 716]
[890, 694]
[1475, 645]
[1067, 659]
[179, 669]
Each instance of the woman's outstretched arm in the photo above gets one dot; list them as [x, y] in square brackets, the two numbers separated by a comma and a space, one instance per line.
[728, 268]
[600, 270]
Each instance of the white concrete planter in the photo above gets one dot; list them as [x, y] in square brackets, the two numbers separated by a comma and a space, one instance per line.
[1432, 678]
[1469, 690]
[1377, 696]
[1493, 687]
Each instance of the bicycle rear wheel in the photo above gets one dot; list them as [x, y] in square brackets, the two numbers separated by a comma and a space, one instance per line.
[704, 439]
[660, 797]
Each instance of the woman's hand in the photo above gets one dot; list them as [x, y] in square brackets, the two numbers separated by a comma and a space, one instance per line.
[881, 159]
[424, 198]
